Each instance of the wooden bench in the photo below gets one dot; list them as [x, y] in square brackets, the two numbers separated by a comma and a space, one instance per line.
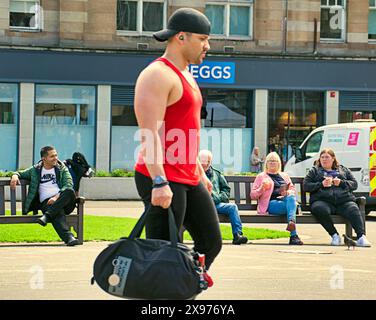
[305, 217]
[73, 220]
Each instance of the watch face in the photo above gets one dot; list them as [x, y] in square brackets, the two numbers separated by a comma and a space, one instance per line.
[159, 179]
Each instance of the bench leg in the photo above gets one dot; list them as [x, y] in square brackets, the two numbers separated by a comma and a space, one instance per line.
[349, 230]
[80, 226]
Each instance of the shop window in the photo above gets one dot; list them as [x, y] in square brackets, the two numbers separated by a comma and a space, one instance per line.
[123, 115]
[65, 118]
[227, 108]
[333, 20]
[292, 116]
[137, 17]
[25, 15]
[124, 128]
[357, 105]
[122, 106]
[230, 18]
[353, 115]
[8, 126]
[372, 20]
[6, 114]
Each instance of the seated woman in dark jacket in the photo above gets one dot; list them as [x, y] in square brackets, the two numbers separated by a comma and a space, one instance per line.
[330, 185]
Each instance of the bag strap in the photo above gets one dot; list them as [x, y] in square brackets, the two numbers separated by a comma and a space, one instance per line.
[172, 228]
[137, 230]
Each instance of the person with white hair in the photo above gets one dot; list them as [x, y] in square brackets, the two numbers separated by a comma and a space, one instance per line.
[221, 195]
[275, 194]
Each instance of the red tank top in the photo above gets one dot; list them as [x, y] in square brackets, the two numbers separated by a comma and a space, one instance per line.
[180, 135]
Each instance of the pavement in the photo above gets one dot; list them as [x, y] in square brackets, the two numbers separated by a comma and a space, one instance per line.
[263, 269]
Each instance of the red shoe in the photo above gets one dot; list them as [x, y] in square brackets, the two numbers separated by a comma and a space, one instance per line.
[208, 279]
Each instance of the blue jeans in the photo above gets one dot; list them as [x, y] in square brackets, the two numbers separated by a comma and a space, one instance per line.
[285, 206]
[231, 210]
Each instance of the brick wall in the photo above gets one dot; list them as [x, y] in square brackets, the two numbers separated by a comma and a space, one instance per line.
[92, 24]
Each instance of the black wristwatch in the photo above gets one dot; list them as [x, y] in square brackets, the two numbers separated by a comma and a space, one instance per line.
[159, 182]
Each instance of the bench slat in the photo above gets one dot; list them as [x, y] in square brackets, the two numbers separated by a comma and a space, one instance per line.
[71, 219]
[237, 192]
[301, 219]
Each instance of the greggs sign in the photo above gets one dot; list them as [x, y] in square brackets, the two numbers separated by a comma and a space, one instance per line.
[213, 72]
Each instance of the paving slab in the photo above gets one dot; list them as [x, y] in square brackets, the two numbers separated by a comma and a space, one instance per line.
[263, 269]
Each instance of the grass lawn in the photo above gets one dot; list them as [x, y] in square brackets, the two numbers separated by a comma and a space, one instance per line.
[97, 228]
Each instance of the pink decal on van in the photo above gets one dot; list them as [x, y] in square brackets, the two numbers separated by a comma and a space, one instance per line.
[353, 139]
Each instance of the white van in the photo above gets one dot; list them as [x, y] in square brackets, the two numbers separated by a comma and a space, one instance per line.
[351, 143]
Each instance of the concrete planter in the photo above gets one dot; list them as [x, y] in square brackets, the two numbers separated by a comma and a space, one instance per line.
[109, 188]
[113, 188]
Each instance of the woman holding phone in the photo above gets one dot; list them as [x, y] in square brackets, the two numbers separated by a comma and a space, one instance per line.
[275, 194]
[330, 186]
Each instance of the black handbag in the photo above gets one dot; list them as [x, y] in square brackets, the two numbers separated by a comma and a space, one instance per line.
[150, 268]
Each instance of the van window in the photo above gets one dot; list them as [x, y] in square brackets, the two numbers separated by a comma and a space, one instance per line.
[312, 146]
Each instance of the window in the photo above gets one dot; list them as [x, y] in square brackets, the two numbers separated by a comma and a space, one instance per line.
[65, 118]
[312, 146]
[124, 127]
[230, 18]
[333, 20]
[141, 17]
[227, 108]
[351, 116]
[8, 126]
[356, 105]
[25, 15]
[292, 116]
[226, 127]
[372, 20]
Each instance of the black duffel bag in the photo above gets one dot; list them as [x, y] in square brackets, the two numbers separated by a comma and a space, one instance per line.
[149, 268]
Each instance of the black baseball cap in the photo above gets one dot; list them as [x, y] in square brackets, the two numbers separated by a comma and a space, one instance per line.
[186, 20]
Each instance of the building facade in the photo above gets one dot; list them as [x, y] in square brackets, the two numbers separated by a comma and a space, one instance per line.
[277, 69]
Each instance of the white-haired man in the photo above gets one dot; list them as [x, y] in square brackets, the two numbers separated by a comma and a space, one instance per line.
[221, 194]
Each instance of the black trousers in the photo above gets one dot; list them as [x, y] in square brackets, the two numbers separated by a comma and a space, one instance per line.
[193, 208]
[323, 210]
[57, 211]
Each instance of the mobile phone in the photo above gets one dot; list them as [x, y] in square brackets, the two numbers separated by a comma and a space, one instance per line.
[285, 186]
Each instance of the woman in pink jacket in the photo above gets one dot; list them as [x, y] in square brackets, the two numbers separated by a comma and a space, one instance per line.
[275, 194]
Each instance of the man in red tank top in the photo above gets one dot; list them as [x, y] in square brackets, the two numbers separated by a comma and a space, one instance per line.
[167, 105]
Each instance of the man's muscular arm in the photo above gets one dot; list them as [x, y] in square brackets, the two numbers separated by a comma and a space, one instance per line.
[151, 98]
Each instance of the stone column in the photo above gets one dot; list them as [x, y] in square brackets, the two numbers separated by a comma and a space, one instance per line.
[103, 128]
[261, 120]
[26, 127]
[331, 107]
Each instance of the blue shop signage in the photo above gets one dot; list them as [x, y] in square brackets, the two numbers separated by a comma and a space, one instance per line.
[213, 72]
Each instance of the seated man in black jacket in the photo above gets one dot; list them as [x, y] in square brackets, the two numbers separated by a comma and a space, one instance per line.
[330, 185]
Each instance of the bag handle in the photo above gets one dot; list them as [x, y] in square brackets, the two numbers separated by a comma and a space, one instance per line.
[137, 230]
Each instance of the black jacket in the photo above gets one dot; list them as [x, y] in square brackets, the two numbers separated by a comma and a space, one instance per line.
[335, 195]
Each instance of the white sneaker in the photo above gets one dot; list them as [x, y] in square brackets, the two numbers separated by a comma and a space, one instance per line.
[336, 240]
[363, 242]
